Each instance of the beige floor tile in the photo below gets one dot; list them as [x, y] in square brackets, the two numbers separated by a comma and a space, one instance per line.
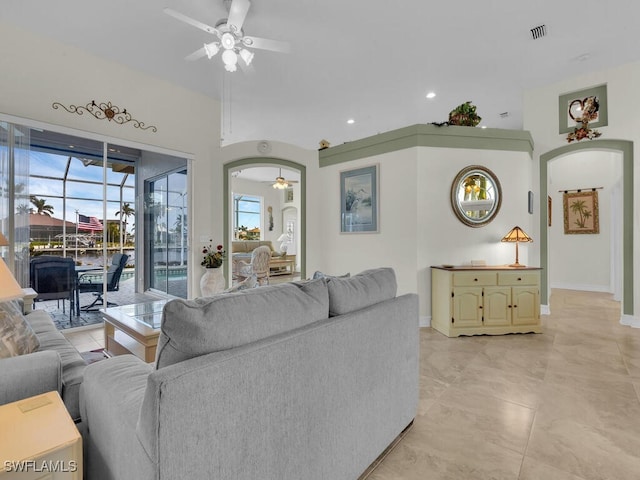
[533, 470]
[568, 398]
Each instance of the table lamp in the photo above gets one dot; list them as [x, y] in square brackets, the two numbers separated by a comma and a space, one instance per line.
[9, 288]
[516, 234]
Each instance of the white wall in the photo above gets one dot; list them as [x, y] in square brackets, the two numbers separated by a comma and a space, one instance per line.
[583, 262]
[395, 244]
[541, 119]
[39, 72]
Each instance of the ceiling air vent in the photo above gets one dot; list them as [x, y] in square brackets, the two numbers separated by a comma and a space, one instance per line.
[538, 32]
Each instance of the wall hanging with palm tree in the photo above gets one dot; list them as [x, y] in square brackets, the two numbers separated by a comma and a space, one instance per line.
[581, 211]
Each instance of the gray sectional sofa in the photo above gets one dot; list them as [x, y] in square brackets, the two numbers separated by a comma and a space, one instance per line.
[305, 380]
[55, 365]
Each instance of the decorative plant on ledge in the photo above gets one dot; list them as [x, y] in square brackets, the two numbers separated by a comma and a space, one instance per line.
[464, 115]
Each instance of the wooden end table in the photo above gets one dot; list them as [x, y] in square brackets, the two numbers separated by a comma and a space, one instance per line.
[133, 329]
[39, 440]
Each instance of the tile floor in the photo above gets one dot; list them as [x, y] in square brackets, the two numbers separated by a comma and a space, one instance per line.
[561, 405]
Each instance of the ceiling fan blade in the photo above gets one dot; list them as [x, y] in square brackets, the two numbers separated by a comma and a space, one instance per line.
[266, 44]
[237, 13]
[198, 54]
[191, 21]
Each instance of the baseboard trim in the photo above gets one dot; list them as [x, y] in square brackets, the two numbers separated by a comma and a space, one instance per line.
[581, 287]
[630, 321]
[545, 310]
[425, 321]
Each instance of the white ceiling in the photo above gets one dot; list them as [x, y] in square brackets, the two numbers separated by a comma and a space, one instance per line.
[370, 60]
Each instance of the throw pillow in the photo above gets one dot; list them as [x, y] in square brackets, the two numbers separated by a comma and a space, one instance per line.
[191, 328]
[360, 291]
[16, 336]
[318, 274]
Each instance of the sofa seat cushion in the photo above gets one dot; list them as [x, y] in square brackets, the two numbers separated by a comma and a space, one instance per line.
[191, 328]
[16, 336]
[73, 364]
[348, 294]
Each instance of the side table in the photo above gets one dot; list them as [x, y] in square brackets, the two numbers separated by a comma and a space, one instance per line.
[39, 440]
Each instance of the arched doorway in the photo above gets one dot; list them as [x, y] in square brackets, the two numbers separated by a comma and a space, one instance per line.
[625, 147]
[228, 168]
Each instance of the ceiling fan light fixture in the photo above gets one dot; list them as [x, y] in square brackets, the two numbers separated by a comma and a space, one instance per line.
[228, 40]
[230, 58]
[247, 56]
[211, 49]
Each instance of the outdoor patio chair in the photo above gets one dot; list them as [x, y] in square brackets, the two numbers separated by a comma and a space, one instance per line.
[54, 278]
[92, 282]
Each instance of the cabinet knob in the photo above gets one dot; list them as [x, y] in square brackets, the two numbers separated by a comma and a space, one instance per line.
[475, 279]
[519, 279]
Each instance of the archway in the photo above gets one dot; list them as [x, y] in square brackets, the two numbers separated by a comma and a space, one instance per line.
[261, 161]
[625, 147]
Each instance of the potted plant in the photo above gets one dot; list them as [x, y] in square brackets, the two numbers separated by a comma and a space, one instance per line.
[464, 115]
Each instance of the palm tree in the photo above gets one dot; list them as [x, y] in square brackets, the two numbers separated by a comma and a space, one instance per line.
[41, 206]
[126, 211]
[579, 207]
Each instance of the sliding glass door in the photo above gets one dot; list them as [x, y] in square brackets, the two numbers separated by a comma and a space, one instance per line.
[166, 232]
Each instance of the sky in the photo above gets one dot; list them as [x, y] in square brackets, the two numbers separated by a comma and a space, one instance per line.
[88, 196]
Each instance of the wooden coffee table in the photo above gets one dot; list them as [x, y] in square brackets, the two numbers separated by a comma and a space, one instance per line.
[133, 329]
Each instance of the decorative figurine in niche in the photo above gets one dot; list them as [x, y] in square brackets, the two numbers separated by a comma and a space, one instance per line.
[582, 112]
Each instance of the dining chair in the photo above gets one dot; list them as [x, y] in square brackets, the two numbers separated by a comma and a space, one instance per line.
[53, 278]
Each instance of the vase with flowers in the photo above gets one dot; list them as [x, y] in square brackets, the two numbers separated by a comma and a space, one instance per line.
[212, 281]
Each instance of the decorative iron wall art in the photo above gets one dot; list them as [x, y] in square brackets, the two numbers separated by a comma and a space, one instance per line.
[106, 111]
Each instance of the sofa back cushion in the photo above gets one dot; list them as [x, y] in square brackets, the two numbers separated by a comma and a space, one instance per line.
[191, 328]
[248, 246]
[348, 294]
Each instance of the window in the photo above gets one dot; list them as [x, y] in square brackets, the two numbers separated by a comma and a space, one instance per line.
[247, 214]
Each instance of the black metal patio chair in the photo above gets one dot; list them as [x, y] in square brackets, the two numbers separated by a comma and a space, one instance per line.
[93, 282]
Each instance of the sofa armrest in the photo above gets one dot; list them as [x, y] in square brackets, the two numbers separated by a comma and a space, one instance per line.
[111, 395]
[27, 375]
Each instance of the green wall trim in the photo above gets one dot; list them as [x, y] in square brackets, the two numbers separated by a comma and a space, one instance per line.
[427, 135]
[626, 148]
[257, 161]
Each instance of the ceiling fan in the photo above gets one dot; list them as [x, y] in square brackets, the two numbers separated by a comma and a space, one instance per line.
[230, 37]
[281, 183]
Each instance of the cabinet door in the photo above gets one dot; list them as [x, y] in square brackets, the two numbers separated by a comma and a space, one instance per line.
[467, 307]
[497, 306]
[526, 306]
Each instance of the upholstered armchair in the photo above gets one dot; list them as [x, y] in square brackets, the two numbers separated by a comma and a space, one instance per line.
[258, 266]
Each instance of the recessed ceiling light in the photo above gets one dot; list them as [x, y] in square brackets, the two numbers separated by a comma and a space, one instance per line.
[431, 94]
[351, 121]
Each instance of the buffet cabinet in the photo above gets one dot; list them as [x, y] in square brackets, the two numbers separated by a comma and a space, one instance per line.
[485, 300]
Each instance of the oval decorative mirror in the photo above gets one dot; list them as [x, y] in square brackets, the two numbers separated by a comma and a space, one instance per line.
[476, 195]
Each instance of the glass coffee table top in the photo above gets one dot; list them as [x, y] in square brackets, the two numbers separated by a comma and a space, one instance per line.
[148, 313]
